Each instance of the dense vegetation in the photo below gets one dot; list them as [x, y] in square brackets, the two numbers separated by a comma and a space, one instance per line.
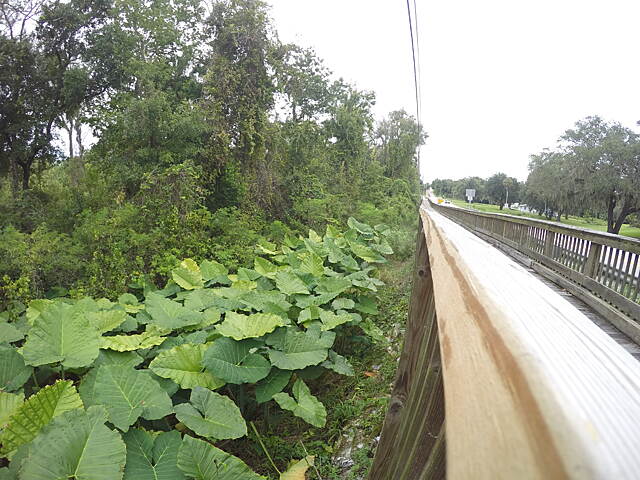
[593, 172]
[147, 147]
[209, 133]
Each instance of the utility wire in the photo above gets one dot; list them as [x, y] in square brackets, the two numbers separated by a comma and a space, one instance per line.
[415, 19]
[415, 68]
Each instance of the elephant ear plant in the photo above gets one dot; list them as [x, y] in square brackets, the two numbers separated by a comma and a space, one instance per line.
[144, 387]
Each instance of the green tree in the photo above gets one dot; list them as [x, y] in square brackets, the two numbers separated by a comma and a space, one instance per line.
[238, 95]
[40, 78]
[605, 160]
[398, 137]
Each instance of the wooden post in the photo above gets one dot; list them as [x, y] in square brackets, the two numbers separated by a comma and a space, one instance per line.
[593, 259]
[548, 244]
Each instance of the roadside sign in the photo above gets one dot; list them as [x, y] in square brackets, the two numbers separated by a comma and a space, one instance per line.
[470, 193]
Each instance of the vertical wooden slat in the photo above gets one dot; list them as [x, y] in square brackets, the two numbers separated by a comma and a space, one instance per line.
[593, 261]
[549, 244]
[583, 255]
[621, 271]
[635, 279]
[613, 268]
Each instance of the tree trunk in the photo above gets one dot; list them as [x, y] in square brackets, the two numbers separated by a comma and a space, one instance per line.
[626, 210]
[26, 173]
[69, 129]
[78, 127]
[15, 177]
[611, 205]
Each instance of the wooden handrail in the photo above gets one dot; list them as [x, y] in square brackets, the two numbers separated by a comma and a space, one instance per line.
[602, 268]
[531, 388]
[603, 238]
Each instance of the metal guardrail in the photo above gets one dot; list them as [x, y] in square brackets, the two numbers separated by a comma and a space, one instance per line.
[606, 265]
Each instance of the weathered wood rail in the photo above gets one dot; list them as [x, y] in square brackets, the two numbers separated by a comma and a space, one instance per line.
[502, 378]
[600, 268]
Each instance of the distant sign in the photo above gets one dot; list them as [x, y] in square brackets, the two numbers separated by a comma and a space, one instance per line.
[470, 193]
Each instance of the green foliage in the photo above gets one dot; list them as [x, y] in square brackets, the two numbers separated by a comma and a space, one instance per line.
[593, 172]
[36, 412]
[151, 456]
[256, 329]
[305, 405]
[212, 415]
[210, 136]
[76, 444]
[61, 335]
[202, 461]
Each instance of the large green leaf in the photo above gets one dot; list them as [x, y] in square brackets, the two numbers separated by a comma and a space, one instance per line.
[305, 405]
[360, 227]
[58, 335]
[313, 264]
[333, 285]
[9, 333]
[239, 326]
[305, 301]
[13, 372]
[202, 461]
[297, 349]
[343, 304]
[212, 415]
[130, 303]
[127, 394]
[106, 320]
[169, 314]
[123, 359]
[264, 301]
[234, 361]
[129, 343]
[366, 253]
[9, 403]
[152, 456]
[76, 445]
[265, 268]
[308, 314]
[188, 275]
[272, 384]
[37, 411]
[298, 469]
[383, 247]
[183, 364]
[330, 320]
[214, 271]
[289, 283]
[201, 299]
[36, 307]
[338, 364]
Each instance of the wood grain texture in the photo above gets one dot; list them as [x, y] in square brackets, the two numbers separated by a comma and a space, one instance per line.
[532, 388]
[412, 444]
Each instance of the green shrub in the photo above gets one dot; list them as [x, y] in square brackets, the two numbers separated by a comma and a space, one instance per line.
[152, 364]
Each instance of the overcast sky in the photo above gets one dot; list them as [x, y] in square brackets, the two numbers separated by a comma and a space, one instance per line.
[501, 79]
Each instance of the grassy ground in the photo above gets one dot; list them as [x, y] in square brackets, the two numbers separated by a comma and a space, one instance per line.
[356, 405]
[590, 223]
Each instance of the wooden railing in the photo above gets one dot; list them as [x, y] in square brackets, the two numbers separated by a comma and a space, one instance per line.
[500, 377]
[602, 268]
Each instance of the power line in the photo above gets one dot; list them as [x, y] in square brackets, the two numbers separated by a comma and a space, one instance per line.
[415, 19]
[415, 69]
